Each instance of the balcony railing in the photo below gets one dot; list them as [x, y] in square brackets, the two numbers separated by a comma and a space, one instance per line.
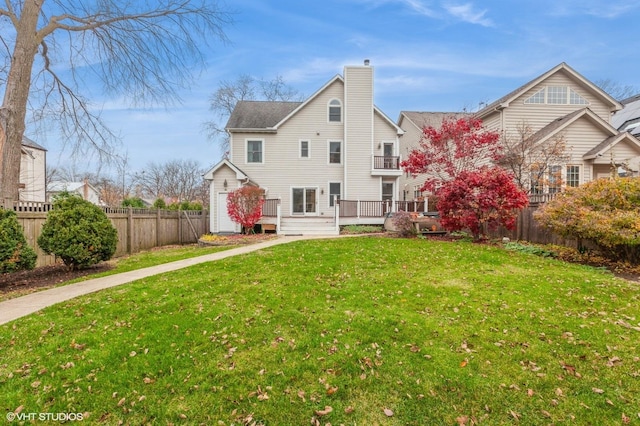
[386, 162]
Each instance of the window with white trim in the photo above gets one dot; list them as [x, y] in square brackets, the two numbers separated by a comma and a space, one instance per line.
[573, 176]
[335, 152]
[255, 152]
[335, 111]
[556, 95]
[335, 191]
[555, 179]
[305, 149]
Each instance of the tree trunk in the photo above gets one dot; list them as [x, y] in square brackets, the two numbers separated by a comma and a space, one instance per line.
[14, 105]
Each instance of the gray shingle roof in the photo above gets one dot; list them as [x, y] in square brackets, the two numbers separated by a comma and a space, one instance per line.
[433, 119]
[32, 144]
[258, 115]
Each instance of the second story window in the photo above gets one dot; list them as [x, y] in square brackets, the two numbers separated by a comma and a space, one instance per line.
[335, 152]
[335, 111]
[304, 149]
[254, 151]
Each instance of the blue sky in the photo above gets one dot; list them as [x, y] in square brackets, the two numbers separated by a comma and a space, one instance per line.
[428, 55]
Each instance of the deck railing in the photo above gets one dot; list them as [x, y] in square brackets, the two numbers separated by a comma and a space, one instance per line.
[351, 208]
[270, 207]
[386, 162]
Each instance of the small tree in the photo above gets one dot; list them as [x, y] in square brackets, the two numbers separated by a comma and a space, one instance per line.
[244, 206]
[135, 202]
[474, 199]
[15, 253]
[78, 232]
[460, 144]
[534, 164]
[604, 212]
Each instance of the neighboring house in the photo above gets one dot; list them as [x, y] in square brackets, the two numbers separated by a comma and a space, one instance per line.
[413, 122]
[83, 189]
[33, 164]
[561, 103]
[335, 145]
[628, 119]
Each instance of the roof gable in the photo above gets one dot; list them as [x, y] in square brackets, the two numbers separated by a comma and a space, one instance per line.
[240, 175]
[564, 68]
[422, 119]
[562, 123]
[32, 144]
[601, 149]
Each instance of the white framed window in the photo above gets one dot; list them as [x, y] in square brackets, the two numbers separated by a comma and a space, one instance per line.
[335, 152]
[555, 179]
[573, 176]
[387, 191]
[335, 111]
[305, 148]
[536, 98]
[255, 151]
[556, 95]
[335, 191]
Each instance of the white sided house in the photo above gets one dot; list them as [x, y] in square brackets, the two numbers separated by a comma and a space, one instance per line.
[33, 164]
[328, 161]
[561, 103]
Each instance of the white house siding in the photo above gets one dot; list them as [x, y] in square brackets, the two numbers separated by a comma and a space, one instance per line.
[539, 115]
[283, 168]
[359, 134]
[216, 187]
[32, 175]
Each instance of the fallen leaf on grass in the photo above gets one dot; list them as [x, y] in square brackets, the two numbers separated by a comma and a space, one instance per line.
[388, 412]
[462, 420]
[597, 390]
[332, 390]
[327, 410]
[349, 410]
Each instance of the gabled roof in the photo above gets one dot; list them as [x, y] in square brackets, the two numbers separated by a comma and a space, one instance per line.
[59, 186]
[240, 175]
[259, 115]
[421, 119]
[610, 142]
[32, 144]
[573, 74]
[268, 116]
[615, 137]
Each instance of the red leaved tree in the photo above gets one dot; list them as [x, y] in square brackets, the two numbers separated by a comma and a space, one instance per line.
[460, 144]
[458, 164]
[473, 199]
[244, 206]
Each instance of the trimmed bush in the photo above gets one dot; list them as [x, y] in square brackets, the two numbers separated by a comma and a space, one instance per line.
[605, 212]
[402, 222]
[78, 232]
[15, 253]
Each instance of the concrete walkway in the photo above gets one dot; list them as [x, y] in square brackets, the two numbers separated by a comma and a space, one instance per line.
[22, 306]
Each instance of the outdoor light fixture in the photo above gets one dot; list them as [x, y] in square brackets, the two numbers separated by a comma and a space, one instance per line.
[225, 184]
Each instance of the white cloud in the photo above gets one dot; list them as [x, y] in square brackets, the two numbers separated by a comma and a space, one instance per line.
[467, 13]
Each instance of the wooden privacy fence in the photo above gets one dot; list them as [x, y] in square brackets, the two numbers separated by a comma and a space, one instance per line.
[528, 229]
[138, 229]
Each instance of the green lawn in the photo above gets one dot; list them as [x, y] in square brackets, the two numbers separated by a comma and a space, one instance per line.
[356, 331]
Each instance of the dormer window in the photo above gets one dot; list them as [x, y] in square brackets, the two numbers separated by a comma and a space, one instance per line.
[556, 95]
[335, 111]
